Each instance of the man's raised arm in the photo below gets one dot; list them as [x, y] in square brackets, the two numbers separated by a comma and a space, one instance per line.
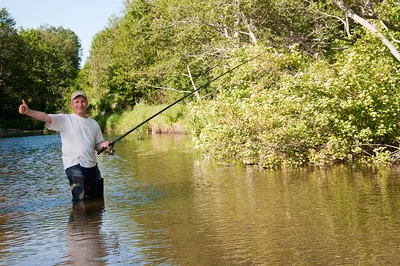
[38, 115]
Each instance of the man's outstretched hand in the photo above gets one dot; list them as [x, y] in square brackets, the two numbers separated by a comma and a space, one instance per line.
[23, 108]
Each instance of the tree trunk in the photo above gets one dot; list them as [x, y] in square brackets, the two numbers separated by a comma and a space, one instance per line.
[369, 26]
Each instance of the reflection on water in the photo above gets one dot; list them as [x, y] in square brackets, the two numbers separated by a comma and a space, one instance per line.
[164, 204]
[84, 241]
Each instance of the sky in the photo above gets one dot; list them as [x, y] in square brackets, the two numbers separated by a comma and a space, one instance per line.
[84, 17]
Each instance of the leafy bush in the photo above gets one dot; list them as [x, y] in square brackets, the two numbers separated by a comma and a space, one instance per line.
[276, 112]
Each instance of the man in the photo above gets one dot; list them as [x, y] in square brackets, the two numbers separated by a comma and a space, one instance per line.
[81, 136]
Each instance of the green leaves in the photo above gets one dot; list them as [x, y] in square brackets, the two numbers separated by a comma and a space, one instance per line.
[38, 65]
[286, 111]
[53, 63]
[12, 70]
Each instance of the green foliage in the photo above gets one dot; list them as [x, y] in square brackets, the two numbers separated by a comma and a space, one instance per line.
[12, 66]
[146, 55]
[295, 113]
[38, 65]
[236, 122]
[163, 123]
[94, 76]
[53, 61]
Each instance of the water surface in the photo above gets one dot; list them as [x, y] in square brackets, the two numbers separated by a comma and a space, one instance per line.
[165, 204]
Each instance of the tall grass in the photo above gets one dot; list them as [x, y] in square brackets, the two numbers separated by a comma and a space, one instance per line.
[173, 120]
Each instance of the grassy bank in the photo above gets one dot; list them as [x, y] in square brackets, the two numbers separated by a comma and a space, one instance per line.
[173, 120]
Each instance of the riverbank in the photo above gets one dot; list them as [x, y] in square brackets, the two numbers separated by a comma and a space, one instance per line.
[172, 121]
[154, 128]
[8, 133]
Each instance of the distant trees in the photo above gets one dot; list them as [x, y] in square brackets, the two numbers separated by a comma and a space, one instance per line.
[12, 64]
[53, 63]
[38, 65]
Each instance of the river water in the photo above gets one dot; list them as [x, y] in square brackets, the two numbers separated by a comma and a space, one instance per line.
[166, 205]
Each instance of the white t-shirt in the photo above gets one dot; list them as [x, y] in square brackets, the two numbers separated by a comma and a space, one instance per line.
[78, 136]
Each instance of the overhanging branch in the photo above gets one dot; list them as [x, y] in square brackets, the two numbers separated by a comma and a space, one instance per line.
[369, 26]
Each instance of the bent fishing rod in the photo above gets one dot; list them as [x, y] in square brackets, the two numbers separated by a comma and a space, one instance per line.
[177, 101]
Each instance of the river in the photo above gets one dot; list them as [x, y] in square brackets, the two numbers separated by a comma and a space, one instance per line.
[165, 204]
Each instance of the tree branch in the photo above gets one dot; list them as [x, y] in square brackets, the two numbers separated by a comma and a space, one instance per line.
[369, 26]
[193, 85]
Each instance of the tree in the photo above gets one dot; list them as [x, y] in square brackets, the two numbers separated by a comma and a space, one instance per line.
[12, 70]
[95, 75]
[53, 63]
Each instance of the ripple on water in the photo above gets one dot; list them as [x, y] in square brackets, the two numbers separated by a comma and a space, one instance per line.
[166, 206]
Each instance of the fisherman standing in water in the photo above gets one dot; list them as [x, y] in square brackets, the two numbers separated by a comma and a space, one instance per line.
[81, 137]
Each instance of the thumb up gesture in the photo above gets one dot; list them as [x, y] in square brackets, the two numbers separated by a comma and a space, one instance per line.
[23, 108]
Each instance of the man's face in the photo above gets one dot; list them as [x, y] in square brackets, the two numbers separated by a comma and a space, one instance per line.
[79, 105]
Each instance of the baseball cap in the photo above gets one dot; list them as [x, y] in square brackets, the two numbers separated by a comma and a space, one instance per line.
[78, 93]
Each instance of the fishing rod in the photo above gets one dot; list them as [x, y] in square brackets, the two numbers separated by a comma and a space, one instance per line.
[177, 101]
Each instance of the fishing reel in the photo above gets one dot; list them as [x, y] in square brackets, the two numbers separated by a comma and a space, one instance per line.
[110, 151]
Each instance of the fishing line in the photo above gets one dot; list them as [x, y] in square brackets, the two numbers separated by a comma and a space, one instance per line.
[179, 100]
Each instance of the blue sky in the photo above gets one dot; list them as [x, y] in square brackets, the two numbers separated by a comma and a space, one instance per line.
[84, 17]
